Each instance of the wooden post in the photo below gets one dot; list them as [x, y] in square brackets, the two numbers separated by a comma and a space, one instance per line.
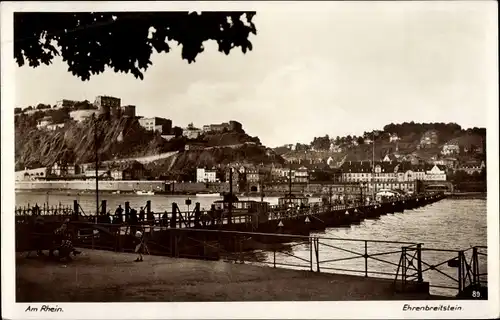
[230, 215]
[173, 219]
[76, 208]
[197, 215]
[148, 213]
[103, 207]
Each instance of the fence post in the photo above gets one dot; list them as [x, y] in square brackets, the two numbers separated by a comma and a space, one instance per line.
[317, 254]
[274, 257]
[310, 253]
[475, 267]
[366, 258]
[460, 271]
[419, 262]
[403, 268]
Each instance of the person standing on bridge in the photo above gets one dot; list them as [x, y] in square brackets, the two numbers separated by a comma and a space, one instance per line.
[142, 214]
[133, 221]
[36, 210]
[119, 213]
[164, 219]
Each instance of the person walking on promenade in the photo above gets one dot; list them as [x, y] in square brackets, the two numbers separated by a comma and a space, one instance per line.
[64, 237]
[119, 213]
[140, 245]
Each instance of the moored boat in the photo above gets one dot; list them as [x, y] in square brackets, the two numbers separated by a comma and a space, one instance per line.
[215, 194]
[145, 193]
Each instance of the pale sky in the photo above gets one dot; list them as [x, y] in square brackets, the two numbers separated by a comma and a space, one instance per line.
[332, 68]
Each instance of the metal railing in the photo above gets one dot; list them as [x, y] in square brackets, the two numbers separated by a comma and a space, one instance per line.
[406, 263]
[44, 209]
[451, 270]
[275, 211]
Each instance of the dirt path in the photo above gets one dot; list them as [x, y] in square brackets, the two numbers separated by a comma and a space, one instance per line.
[102, 276]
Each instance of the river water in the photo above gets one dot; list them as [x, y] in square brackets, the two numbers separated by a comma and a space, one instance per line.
[159, 203]
[453, 224]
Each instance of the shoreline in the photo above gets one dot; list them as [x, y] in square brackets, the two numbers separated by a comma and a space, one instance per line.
[454, 195]
[467, 195]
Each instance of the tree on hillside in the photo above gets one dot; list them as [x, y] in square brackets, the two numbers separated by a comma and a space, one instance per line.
[59, 115]
[360, 140]
[321, 143]
[301, 147]
[123, 41]
[177, 131]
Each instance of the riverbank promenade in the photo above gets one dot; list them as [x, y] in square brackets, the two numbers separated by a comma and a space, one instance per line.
[103, 276]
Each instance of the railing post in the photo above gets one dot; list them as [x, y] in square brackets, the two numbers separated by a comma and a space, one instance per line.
[92, 234]
[366, 258]
[403, 268]
[274, 258]
[460, 272]
[475, 267]
[310, 253]
[317, 254]
[419, 262]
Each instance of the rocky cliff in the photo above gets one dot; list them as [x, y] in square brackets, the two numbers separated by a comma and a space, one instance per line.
[119, 138]
[76, 142]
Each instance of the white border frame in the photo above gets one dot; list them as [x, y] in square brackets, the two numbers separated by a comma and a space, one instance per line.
[236, 310]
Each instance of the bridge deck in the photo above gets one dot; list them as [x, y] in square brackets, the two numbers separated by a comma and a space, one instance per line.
[102, 276]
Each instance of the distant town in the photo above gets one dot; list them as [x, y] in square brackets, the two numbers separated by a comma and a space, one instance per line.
[402, 157]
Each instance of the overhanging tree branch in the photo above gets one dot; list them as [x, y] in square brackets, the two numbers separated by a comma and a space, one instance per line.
[124, 41]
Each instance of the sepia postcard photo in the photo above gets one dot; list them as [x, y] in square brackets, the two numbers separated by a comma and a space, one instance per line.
[250, 160]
